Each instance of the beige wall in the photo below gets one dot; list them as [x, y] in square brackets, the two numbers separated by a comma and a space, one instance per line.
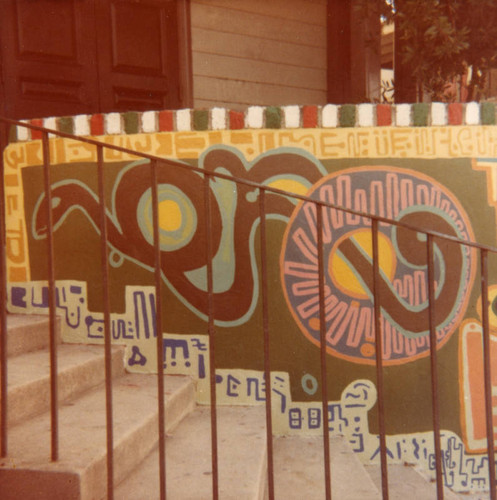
[270, 52]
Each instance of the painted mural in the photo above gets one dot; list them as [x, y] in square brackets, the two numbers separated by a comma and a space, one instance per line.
[437, 178]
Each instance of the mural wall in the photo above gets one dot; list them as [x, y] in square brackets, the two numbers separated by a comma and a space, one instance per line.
[439, 177]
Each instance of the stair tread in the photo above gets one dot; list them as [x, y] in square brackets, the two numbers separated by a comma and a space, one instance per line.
[242, 458]
[82, 429]
[35, 365]
[28, 332]
[17, 320]
[299, 470]
[405, 481]
[80, 367]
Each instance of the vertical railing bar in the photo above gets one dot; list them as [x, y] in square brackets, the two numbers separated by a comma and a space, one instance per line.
[267, 360]
[211, 332]
[3, 302]
[322, 334]
[434, 367]
[158, 312]
[487, 372]
[379, 360]
[107, 325]
[54, 412]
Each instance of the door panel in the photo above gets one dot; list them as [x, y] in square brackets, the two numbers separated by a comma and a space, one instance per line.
[48, 51]
[66, 57]
[138, 54]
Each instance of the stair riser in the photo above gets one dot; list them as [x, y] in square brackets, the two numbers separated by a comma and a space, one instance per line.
[129, 451]
[36, 485]
[34, 398]
[30, 336]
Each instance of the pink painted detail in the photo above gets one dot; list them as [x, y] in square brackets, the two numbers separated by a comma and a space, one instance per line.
[97, 124]
[310, 116]
[36, 134]
[237, 120]
[384, 115]
[166, 121]
[455, 113]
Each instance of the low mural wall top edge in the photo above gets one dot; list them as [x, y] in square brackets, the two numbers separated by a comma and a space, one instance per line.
[271, 117]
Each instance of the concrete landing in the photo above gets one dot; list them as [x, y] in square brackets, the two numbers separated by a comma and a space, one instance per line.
[299, 470]
[242, 459]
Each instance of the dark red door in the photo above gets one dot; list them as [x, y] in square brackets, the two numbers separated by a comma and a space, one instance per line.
[64, 57]
[138, 54]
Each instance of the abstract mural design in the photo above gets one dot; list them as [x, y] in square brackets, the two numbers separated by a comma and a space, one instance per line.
[472, 386]
[182, 225]
[401, 195]
[421, 176]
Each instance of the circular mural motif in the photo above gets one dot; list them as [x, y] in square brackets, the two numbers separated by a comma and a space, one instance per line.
[177, 217]
[398, 194]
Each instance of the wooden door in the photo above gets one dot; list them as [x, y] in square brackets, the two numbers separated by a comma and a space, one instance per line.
[48, 49]
[138, 54]
[66, 57]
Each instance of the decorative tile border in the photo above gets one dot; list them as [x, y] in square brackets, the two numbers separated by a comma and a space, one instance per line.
[271, 117]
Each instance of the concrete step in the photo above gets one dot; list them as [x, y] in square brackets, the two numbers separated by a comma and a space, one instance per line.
[242, 459]
[299, 470]
[80, 367]
[406, 481]
[27, 333]
[80, 474]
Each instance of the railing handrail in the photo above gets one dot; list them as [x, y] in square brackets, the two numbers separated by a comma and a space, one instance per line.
[246, 182]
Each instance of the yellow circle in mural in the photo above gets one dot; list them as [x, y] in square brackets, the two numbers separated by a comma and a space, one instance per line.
[342, 272]
[290, 185]
[170, 217]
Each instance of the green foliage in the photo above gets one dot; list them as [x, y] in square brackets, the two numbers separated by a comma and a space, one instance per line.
[444, 41]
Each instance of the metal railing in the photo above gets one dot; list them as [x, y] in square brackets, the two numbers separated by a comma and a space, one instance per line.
[263, 191]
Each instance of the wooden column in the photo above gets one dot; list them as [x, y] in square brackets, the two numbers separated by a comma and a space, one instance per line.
[353, 52]
[405, 85]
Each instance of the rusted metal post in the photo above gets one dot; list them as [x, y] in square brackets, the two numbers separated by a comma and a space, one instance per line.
[267, 359]
[212, 336]
[3, 302]
[379, 360]
[107, 326]
[158, 329]
[487, 373]
[434, 368]
[54, 404]
[322, 334]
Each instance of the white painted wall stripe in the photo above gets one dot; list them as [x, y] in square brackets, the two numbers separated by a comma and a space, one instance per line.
[23, 133]
[81, 125]
[50, 123]
[113, 124]
[219, 118]
[366, 115]
[329, 116]
[472, 114]
[439, 114]
[254, 117]
[291, 116]
[149, 121]
[403, 115]
[183, 120]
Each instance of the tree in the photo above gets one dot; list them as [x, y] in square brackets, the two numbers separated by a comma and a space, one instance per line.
[445, 41]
